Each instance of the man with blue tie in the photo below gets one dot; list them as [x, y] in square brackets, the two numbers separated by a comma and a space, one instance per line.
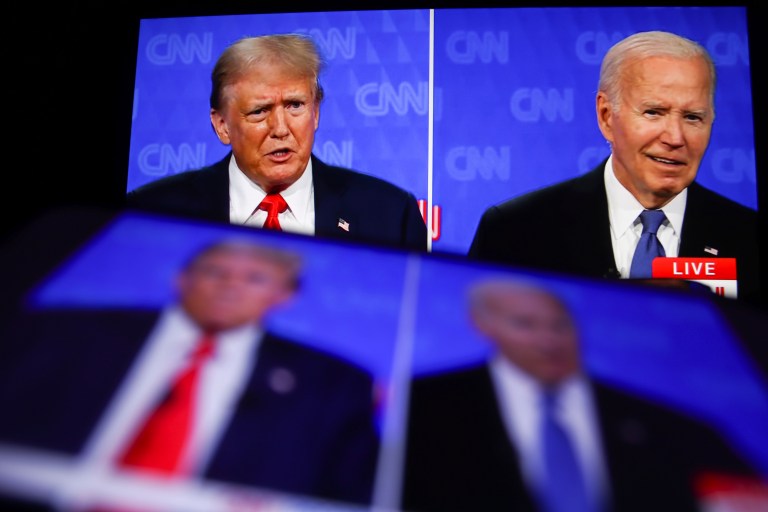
[655, 107]
[529, 430]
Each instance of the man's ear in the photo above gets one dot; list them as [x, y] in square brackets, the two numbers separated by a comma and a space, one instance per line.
[180, 283]
[481, 320]
[220, 127]
[282, 298]
[605, 113]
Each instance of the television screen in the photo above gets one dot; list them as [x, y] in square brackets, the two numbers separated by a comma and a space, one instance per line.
[465, 107]
[678, 375]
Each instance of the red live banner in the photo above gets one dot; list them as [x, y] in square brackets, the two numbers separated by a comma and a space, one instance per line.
[695, 268]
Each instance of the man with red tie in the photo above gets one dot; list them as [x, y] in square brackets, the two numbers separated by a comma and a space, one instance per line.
[199, 389]
[265, 104]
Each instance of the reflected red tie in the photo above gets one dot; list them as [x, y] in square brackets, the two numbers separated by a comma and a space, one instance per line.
[160, 444]
[273, 204]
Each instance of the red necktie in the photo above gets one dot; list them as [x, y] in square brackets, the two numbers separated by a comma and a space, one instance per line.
[273, 204]
[160, 444]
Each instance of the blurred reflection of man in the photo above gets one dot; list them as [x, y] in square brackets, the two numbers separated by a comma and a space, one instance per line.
[483, 437]
[268, 412]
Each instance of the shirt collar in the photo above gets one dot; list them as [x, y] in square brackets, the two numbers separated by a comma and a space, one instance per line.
[527, 389]
[299, 195]
[245, 195]
[183, 333]
[623, 208]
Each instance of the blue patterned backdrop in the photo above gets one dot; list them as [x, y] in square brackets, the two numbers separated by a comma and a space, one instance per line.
[513, 98]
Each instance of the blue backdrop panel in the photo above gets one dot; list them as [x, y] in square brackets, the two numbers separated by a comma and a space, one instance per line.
[517, 101]
[373, 119]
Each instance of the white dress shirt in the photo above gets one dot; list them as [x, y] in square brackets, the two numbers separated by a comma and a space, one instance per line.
[626, 228]
[245, 196]
[165, 353]
[519, 400]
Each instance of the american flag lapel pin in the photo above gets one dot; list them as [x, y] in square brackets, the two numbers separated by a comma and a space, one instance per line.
[343, 224]
[711, 250]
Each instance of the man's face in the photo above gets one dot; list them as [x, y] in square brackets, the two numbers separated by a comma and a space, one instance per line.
[532, 330]
[227, 289]
[269, 117]
[662, 128]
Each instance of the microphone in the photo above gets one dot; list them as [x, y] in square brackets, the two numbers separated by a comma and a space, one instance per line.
[718, 274]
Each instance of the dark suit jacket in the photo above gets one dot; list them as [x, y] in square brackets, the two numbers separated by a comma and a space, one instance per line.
[565, 228]
[60, 370]
[377, 211]
[459, 456]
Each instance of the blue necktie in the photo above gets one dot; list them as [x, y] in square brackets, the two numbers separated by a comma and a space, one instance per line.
[648, 247]
[564, 488]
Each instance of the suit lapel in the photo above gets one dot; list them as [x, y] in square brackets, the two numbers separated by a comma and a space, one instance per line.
[266, 412]
[501, 466]
[697, 224]
[275, 376]
[641, 443]
[590, 233]
[331, 210]
[623, 436]
[215, 187]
